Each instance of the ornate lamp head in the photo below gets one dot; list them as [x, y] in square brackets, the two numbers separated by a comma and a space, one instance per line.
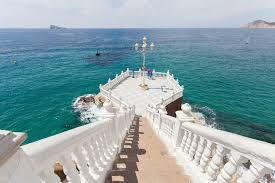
[144, 40]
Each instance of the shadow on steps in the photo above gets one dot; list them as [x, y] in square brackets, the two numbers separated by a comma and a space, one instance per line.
[125, 167]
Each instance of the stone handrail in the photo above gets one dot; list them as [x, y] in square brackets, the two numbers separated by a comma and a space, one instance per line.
[170, 99]
[173, 82]
[118, 79]
[212, 155]
[85, 154]
[117, 101]
[92, 148]
[105, 90]
[139, 73]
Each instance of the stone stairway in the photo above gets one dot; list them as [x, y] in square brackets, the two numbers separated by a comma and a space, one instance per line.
[144, 159]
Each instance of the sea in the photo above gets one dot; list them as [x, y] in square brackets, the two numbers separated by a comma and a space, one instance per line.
[226, 81]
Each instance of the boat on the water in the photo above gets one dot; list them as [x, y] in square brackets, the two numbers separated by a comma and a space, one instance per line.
[247, 40]
[98, 53]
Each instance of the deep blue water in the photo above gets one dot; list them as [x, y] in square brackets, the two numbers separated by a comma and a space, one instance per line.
[231, 83]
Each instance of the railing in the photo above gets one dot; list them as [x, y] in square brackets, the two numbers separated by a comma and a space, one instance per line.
[81, 155]
[173, 82]
[211, 155]
[118, 79]
[169, 99]
[86, 153]
[105, 90]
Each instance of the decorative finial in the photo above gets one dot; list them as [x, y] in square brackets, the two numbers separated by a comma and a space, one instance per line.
[144, 40]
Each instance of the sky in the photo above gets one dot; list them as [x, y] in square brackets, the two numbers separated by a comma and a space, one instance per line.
[133, 13]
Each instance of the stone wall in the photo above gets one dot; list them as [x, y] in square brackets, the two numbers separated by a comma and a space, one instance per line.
[173, 107]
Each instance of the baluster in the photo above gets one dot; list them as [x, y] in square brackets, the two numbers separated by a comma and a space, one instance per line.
[69, 168]
[193, 147]
[49, 176]
[254, 172]
[103, 148]
[199, 151]
[82, 165]
[215, 163]
[188, 143]
[91, 157]
[206, 155]
[184, 138]
[112, 135]
[230, 168]
[106, 141]
[96, 149]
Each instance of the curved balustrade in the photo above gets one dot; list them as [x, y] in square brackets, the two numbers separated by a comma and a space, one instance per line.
[214, 155]
[105, 90]
[174, 83]
[118, 79]
[170, 99]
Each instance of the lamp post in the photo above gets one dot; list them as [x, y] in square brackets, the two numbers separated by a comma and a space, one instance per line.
[143, 50]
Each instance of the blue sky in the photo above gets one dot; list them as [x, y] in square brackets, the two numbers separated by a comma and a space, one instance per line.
[133, 13]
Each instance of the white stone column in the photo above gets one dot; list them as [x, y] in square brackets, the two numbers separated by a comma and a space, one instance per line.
[253, 174]
[184, 139]
[188, 143]
[199, 151]
[193, 147]
[230, 168]
[91, 158]
[162, 111]
[215, 163]
[178, 131]
[206, 155]
[81, 162]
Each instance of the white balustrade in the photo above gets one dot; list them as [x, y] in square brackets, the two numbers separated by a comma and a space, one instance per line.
[203, 149]
[193, 147]
[215, 162]
[199, 151]
[230, 168]
[188, 143]
[85, 154]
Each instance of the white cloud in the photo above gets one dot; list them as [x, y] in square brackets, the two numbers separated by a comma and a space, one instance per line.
[134, 13]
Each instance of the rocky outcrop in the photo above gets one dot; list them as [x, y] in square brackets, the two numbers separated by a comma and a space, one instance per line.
[260, 24]
[56, 27]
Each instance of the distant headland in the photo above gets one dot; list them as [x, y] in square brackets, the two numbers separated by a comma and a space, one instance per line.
[56, 27]
[260, 24]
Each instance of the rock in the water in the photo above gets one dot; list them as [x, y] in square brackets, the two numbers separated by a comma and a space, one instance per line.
[56, 27]
[87, 107]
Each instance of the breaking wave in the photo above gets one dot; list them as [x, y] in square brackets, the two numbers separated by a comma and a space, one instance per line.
[88, 110]
[205, 115]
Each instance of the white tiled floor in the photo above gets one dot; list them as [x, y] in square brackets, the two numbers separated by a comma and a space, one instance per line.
[130, 92]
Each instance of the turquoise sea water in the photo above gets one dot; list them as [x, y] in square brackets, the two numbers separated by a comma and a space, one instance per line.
[232, 84]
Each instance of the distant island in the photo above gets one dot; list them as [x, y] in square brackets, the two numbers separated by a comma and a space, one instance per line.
[260, 24]
[56, 27]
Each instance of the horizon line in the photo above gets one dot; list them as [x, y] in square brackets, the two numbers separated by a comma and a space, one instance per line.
[64, 28]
